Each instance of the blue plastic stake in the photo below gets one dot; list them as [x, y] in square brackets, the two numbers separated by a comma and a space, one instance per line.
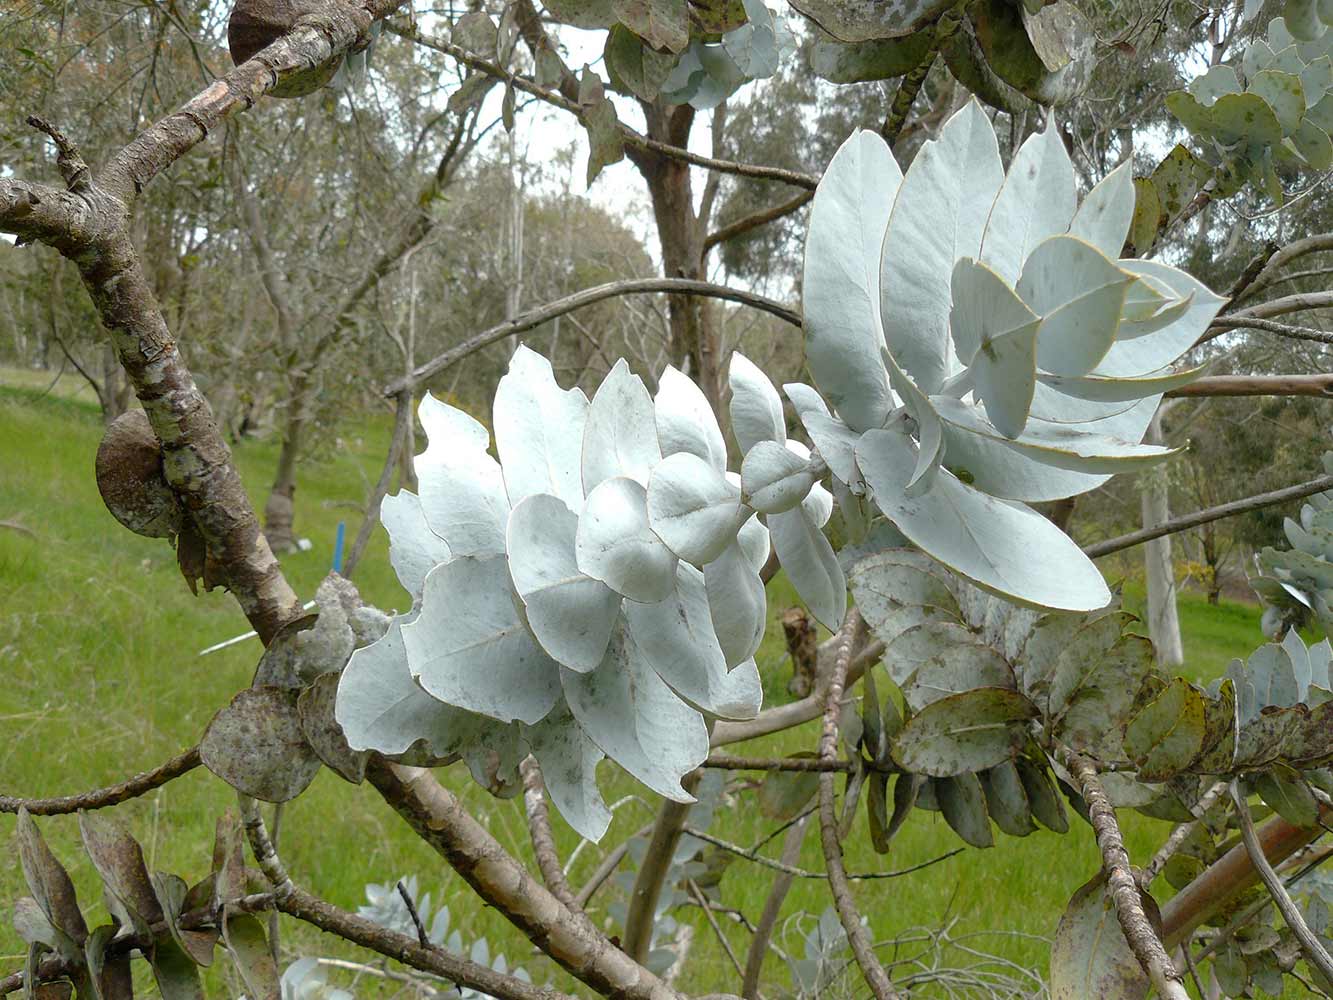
[338, 547]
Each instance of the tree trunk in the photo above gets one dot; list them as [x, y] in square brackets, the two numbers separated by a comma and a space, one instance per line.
[280, 508]
[1163, 622]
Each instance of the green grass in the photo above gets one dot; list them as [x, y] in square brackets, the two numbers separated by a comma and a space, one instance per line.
[98, 645]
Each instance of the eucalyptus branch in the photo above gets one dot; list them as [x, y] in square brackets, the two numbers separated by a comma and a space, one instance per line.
[588, 296]
[1242, 321]
[702, 903]
[69, 161]
[543, 839]
[1124, 887]
[606, 868]
[1258, 385]
[790, 868]
[627, 134]
[657, 860]
[768, 918]
[862, 948]
[1279, 258]
[729, 762]
[754, 220]
[1187, 521]
[261, 845]
[100, 798]
[1315, 953]
[1180, 834]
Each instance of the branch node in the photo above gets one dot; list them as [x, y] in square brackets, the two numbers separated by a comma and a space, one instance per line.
[69, 161]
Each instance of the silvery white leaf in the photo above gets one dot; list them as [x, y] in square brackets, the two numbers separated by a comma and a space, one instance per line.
[1003, 547]
[1058, 408]
[462, 491]
[840, 286]
[818, 506]
[1160, 320]
[810, 564]
[685, 421]
[1128, 358]
[857, 513]
[753, 539]
[756, 408]
[1106, 213]
[570, 614]
[774, 478]
[1002, 472]
[805, 399]
[1145, 297]
[938, 217]
[834, 439]
[539, 431]
[469, 648]
[1061, 446]
[639, 722]
[1078, 292]
[1036, 200]
[614, 543]
[620, 437]
[1099, 389]
[414, 550]
[568, 760]
[995, 335]
[737, 602]
[930, 434]
[692, 507]
[380, 707]
[677, 639]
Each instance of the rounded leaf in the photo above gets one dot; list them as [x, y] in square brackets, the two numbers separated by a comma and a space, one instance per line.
[693, 508]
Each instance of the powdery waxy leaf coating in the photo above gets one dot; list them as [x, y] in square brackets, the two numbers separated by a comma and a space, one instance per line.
[685, 421]
[808, 559]
[964, 732]
[255, 744]
[615, 544]
[677, 639]
[639, 722]
[568, 760]
[693, 508]
[841, 281]
[539, 431]
[620, 438]
[736, 597]
[462, 491]
[469, 648]
[414, 550]
[1104, 216]
[774, 478]
[1008, 549]
[756, 408]
[571, 615]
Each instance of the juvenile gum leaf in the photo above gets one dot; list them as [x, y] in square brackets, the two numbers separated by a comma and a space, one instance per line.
[1036, 201]
[620, 437]
[469, 648]
[737, 602]
[171, 892]
[783, 795]
[414, 550]
[51, 887]
[583, 13]
[615, 544]
[859, 20]
[810, 564]
[685, 421]
[1148, 217]
[1007, 799]
[633, 66]
[963, 804]
[1047, 806]
[1167, 734]
[1090, 956]
[1144, 355]
[255, 744]
[1078, 292]
[1094, 691]
[995, 335]
[316, 708]
[676, 639]
[773, 478]
[637, 721]
[663, 24]
[247, 945]
[462, 490]
[756, 408]
[964, 732]
[939, 216]
[605, 143]
[873, 59]
[1283, 93]
[1005, 548]
[568, 760]
[954, 670]
[841, 279]
[1286, 793]
[539, 431]
[693, 508]
[1117, 390]
[1176, 180]
[570, 614]
[1104, 217]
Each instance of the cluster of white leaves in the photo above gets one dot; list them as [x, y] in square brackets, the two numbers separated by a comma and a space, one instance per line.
[595, 592]
[707, 73]
[983, 347]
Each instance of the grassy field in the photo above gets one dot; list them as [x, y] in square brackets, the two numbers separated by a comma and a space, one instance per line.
[99, 642]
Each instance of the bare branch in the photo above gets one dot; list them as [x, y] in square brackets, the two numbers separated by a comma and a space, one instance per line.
[756, 219]
[653, 870]
[729, 762]
[69, 161]
[1180, 834]
[100, 798]
[790, 868]
[543, 839]
[768, 919]
[1315, 953]
[1184, 523]
[1258, 385]
[1249, 321]
[862, 948]
[1124, 887]
[588, 296]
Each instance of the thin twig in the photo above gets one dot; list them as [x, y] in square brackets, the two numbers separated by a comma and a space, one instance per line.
[754, 220]
[768, 919]
[1224, 324]
[731, 762]
[790, 869]
[100, 798]
[1187, 521]
[422, 937]
[402, 419]
[543, 839]
[702, 903]
[1180, 834]
[1315, 953]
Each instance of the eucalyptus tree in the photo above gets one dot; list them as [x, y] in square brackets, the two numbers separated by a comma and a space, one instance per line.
[587, 574]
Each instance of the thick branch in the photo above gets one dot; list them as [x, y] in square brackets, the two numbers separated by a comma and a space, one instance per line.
[768, 919]
[442, 822]
[588, 296]
[1124, 887]
[1314, 952]
[1284, 256]
[1258, 385]
[862, 948]
[1250, 321]
[729, 762]
[641, 915]
[756, 219]
[100, 798]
